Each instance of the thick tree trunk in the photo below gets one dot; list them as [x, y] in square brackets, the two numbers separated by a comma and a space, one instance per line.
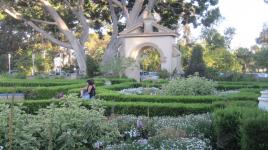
[80, 56]
[133, 17]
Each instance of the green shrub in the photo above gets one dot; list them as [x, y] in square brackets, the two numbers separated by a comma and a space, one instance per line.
[254, 131]
[154, 109]
[92, 66]
[67, 127]
[241, 126]
[164, 74]
[227, 125]
[196, 64]
[193, 85]
[136, 108]
[159, 99]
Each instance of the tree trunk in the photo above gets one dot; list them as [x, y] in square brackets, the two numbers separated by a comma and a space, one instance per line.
[80, 56]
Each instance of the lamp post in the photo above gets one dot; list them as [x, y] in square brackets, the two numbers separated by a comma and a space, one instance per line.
[9, 63]
[33, 57]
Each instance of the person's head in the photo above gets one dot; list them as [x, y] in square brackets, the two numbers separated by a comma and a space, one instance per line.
[90, 82]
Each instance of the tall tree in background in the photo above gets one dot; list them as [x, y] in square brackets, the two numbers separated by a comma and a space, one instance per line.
[261, 58]
[173, 14]
[263, 37]
[196, 63]
[31, 14]
[245, 58]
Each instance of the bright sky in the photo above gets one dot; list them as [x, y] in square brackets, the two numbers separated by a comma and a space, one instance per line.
[247, 16]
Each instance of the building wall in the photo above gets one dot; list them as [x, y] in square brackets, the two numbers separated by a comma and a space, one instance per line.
[133, 45]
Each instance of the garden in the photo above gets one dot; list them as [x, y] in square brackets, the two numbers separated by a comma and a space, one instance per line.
[187, 113]
[133, 75]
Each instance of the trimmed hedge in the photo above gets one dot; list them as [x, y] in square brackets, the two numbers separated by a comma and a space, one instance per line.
[155, 109]
[240, 85]
[242, 96]
[254, 132]
[137, 108]
[39, 92]
[241, 127]
[160, 99]
[42, 83]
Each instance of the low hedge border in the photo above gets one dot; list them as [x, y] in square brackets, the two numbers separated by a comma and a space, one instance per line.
[43, 83]
[40, 92]
[242, 96]
[240, 127]
[137, 108]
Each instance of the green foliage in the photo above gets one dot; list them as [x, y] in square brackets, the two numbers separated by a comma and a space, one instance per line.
[261, 58]
[150, 60]
[92, 66]
[3, 63]
[164, 74]
[240, 127]
[67, 127]
[193, 85]
[254, 132]
[245, 58]
[155, 109]
[227, 128]
[263, 37]
[118, 65]
[221, 60]
[213, 38]
[196, 63]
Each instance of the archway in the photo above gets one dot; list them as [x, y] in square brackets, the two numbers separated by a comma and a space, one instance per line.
[149, 59]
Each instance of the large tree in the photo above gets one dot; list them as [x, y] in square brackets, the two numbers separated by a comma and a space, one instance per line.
[44, 15]
[173, 14]
[263, 37]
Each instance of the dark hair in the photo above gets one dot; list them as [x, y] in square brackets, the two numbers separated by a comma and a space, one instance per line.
[90, 82]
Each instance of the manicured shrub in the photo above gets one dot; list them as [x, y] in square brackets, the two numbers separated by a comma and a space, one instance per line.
[92, 66]
[196, 63]
[155, 109]
[160, 99]
[254, 132]
[227, 126]
[241, 127]
[193, 85]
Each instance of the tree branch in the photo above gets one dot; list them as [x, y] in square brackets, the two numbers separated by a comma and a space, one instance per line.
[134, 13]
[43, 21]
[13, 13]
[114, 20]
[118, 3]
[79, 13]
[48, 36]
[125, 10]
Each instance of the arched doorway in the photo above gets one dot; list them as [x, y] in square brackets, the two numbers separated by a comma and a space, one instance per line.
[149, 59]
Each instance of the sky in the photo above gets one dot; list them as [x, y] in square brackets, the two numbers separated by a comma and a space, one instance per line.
[246, 16]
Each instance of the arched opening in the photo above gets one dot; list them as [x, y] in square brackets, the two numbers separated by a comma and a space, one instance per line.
[149, 59]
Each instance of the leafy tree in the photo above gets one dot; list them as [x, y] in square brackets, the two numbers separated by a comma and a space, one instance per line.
[221, 60]
[213, 38]
[263, 37]
[118, 65]
[150, 60]
[261, 58]
[95, 47]
[228, 36]
[92, 66]
[196, 63]
[245, 58]
[68, 19]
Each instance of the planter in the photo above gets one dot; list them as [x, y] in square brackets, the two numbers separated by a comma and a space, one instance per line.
[263, 100]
